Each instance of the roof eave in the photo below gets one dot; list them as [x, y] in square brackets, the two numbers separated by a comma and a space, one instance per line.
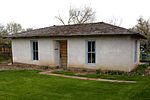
[138, 35]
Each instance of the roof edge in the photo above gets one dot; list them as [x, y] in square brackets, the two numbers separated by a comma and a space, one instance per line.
[138, 35]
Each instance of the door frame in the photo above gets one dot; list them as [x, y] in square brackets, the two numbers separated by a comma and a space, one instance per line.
[57, 52]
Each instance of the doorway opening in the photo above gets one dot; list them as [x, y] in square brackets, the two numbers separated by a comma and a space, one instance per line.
[61, 53]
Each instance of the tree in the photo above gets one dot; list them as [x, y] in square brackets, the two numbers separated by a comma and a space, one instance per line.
[3, 31]
[1, 28]
[29, 29]
[13, 28]
[78, 16]
[143, 27]
[115, 21]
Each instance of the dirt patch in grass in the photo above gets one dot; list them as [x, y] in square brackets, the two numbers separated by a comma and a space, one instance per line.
[21, 66]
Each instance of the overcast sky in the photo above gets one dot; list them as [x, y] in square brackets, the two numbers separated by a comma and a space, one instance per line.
[41, 13]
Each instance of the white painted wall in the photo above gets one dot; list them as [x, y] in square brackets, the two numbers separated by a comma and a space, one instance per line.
[22, 51]
[76, 52]
[112, 52]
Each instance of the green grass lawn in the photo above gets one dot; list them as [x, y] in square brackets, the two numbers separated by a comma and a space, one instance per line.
[29, 85]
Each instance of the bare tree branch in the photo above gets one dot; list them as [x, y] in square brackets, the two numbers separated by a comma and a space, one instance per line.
[60, 19]
[115, 21]
[79, 16]
[13, 28]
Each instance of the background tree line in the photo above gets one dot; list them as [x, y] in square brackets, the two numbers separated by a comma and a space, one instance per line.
[10, 28]
[143, 27]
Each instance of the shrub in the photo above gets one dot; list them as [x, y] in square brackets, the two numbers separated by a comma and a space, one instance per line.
[110, 72]
[140, 70]
[45, 67]
[98, 71]
[84, 70]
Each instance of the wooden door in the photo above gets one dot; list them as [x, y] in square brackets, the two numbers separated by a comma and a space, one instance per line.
[63, 53]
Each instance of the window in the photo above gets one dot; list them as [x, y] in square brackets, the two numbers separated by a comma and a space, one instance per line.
[90, 52]
[35, 50]
[135, 52]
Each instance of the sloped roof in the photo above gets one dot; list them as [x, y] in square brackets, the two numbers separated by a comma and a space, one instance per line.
[89, 29]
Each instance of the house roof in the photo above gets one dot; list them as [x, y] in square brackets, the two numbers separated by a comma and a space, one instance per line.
[89, 29]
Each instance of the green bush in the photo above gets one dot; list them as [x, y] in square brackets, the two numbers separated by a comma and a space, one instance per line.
[98, 71]
[84, 70]
[4, 58]
[141, 69]
[45, 67]
[115, 72]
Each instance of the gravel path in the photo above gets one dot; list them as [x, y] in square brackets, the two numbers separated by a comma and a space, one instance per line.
[84, 78]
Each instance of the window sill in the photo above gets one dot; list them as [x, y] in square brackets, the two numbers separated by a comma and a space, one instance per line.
[35, 60]
[91, 65]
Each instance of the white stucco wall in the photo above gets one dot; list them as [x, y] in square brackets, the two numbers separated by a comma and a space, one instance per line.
[112, 52]
[22, 51]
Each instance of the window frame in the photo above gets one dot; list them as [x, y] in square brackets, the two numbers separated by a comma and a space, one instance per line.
[35, 53]
[87, 52]
[135, 51]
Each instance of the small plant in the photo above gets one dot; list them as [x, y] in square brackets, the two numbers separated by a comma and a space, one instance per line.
[98, 71]
[45, 67]
[84, 70]
[57, 67]
[110, 72]
[141, 69]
